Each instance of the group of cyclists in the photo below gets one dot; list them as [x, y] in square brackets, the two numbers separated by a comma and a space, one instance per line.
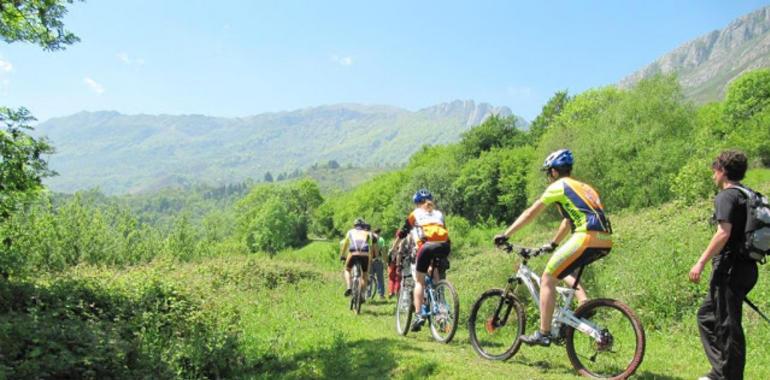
[578, 203]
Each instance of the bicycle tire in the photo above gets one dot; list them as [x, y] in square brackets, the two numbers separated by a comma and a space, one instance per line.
[443, 325]
[356, 296]
[490, 309]
[619, 321]
[404, 309]
[371, 287]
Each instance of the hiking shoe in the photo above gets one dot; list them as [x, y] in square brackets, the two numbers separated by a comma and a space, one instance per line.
[537, 338]
[418, 322]
[348, 292]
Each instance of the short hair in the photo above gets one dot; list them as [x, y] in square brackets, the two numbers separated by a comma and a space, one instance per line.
[377, 231]
[563, 170]
[733, 162]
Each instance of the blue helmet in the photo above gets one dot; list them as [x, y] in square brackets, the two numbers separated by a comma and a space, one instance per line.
[557, 159]
[422, 195]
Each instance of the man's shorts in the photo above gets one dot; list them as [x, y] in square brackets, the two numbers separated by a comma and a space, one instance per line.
[582, 248]
[428, 251]
[362, 258]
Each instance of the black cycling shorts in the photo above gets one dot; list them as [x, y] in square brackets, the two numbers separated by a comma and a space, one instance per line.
[361, 259]
[428, 252]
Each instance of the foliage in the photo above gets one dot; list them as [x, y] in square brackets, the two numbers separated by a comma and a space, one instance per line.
[36, 21]
[628, 144]
[551, 109]
[748, 95]
[495, 132]
[22, 165]
[273, 217]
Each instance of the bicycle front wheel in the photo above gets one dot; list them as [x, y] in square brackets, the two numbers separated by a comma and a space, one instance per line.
[496, 322]
[445, 312]
[620, 350]
[404, 310]
[371, 287]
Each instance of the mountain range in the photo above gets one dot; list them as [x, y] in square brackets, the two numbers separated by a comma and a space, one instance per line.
[708, 63]
[134, 153]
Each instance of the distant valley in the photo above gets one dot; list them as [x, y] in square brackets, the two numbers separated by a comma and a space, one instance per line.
[135, 153]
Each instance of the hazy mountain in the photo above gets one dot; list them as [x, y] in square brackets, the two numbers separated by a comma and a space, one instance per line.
[707, 64]
[131, 153]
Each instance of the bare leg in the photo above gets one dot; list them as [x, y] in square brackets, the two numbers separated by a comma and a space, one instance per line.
[547, 301]
[419, 289]
[580, 292]
[347, 279]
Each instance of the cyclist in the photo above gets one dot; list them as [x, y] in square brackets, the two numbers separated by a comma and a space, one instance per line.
[357, 246]
[591, 239]
[430, 233]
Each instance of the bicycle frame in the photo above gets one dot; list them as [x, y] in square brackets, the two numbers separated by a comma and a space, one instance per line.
[563, 314]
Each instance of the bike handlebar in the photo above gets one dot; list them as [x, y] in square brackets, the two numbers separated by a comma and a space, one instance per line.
[525, 252]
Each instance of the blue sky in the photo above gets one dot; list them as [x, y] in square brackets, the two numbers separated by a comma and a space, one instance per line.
[239, 58]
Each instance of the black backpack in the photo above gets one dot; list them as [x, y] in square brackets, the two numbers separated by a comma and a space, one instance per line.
[757, 246]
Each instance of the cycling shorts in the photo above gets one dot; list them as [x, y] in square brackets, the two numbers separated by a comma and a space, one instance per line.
[362, 258]
[582, 248]
[428, 252]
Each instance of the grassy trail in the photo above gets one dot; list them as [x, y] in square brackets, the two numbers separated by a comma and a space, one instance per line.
[308, 332]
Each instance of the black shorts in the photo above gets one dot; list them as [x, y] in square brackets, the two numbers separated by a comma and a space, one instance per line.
[361, 259]
[428, 252]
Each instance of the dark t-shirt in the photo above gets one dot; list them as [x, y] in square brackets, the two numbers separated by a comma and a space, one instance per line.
[730, 207]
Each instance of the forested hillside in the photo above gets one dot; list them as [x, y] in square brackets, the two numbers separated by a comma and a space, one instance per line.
[200, 285]
[135, 153]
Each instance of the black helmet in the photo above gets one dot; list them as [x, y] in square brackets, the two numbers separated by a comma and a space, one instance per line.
[360, 222]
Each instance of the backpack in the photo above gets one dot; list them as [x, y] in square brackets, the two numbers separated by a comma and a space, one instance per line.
[757, 231]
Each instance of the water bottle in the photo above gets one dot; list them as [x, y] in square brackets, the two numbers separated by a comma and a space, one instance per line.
[425, 310]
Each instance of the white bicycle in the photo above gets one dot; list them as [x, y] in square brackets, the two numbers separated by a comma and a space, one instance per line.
[603, 337]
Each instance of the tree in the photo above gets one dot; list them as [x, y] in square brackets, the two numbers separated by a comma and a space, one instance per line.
[36, 21]
[494, 132]
[747, 96]
[550, 110]
[22, 164]
[268, 177]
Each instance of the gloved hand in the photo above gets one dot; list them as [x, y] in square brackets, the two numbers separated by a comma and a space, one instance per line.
[342, 258]
[548, 248]
[500, 239]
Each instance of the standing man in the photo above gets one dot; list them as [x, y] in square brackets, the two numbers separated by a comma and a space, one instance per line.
[378, 265]
[732, 275]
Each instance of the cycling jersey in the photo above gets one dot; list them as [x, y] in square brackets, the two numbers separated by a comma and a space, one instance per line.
[579, 203]
[426, 226]
[357, 240]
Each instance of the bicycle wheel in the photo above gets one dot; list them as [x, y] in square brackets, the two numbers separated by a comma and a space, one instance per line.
[371, 287]
[404, 309]
[621, 349]
[496, 322]
[445, 313]
[355, 299]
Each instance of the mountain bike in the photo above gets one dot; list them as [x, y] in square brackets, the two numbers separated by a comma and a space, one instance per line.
[371, 287]
[441, 299]
[603, 337]
[356, 296]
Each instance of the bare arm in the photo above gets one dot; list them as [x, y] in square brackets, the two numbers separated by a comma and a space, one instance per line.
[716, 244]
[564, 230]
[525, 218]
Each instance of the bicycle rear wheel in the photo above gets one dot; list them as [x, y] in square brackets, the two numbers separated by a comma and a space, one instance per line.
[621, 349]
[496, 322]
[445, 313]
[371, 287]
[404, 308]
[355, 299]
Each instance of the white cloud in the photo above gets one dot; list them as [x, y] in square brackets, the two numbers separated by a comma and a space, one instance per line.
[124, 57]
[95, 86]
[344, 61]
[5, 66]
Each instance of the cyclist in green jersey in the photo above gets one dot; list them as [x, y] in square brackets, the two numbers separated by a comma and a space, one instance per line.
[591, 238]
